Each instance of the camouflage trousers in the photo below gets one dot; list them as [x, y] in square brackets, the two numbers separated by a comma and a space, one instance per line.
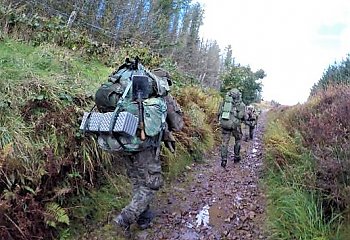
[144, 171]
[251, 132]
[226, 137]
[251, 125]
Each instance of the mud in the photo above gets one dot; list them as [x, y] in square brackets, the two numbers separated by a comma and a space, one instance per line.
[210, 202]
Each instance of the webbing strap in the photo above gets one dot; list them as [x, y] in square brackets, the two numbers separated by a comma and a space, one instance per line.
[115, 112]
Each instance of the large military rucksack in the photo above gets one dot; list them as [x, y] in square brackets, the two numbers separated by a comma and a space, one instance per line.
[251, 117]
[132, 110]
[229, 114]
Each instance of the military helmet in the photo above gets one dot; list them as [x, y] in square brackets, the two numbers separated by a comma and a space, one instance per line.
[235, 94]
[250, 107]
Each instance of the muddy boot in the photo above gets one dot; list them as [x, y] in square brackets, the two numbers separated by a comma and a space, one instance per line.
[236, 159]
[223, 163]
[245, 138]
[251, 132]
[145, 219]
[123, 227]
[237, 149]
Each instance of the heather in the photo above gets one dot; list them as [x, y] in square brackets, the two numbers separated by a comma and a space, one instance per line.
[307, 156]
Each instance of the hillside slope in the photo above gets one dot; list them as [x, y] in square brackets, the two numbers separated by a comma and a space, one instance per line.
[52, 177]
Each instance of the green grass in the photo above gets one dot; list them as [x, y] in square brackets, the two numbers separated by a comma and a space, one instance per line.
[294, 210]
[174, 164]
[44, 91]
[22, 62]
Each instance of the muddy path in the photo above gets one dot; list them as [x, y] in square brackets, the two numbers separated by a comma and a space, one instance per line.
[209, 202]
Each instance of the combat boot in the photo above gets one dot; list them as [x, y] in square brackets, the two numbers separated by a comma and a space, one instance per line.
[145, 219]
[251, 133]
[122, 226]
[236, 159]
[237, 149]
[223, 163]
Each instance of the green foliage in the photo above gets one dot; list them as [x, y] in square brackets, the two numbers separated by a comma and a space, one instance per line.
[174, 164]
[322, 122]
[247, 81]
[55, 215]
[296, 214]
[44, 91]
[336, 74]
[148, 58]
[98, 204]
[198, 134]
[16, 23]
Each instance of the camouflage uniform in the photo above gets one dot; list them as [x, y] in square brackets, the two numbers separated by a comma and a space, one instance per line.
[144, 168]
[234, 129]
[144, 171]
[251, 120]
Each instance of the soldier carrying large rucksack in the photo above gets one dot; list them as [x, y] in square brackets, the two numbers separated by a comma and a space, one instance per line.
[231, 114]
[136, 112]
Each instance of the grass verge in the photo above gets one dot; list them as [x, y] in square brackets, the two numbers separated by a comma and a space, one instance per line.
[294, 210]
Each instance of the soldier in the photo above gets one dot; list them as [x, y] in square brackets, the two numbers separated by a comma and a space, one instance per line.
[141, 152]
[251, 120]
[232, 113]
[144, 171]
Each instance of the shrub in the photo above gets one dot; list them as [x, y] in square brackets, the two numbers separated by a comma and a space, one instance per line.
[294, 210]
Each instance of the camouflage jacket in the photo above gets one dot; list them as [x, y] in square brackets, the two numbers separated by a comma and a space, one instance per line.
[231, 115]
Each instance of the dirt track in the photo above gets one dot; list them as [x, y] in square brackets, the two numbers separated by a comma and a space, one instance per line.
[209, 202]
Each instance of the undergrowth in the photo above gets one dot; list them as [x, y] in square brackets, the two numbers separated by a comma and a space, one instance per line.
[53, 180]
[294, 202]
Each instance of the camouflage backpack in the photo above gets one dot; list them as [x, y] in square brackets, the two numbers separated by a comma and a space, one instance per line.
[132, 109]
[232, 110]
[251, 116]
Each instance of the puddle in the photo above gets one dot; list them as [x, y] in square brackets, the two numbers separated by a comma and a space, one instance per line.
[237, 220]
[189, 225]
[203, 216]
[218, 213]
[237, 200]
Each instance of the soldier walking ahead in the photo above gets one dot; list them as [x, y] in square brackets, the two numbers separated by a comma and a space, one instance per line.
[143, 98]
[251, 120]
[231, 114]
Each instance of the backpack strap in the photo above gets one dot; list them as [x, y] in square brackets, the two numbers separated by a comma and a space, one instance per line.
[115, 112]
[159, 140]
[88, 119]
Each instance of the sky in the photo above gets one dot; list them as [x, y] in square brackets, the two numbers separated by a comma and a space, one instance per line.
[293, 41]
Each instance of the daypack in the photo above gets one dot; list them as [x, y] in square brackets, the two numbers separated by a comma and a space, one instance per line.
[229, 117]
[132, 110]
